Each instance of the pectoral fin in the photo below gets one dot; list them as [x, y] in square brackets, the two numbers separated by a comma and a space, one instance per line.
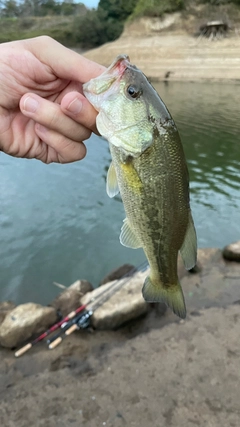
[189, 247]
[127, 236]
[112, 184]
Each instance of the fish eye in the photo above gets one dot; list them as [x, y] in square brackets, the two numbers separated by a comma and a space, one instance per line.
[133, 92]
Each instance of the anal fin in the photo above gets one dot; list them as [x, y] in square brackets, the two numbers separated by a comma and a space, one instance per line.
[189, 247]
[127, 237]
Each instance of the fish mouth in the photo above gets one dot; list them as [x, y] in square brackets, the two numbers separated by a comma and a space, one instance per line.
[112, 74]
[119, 65]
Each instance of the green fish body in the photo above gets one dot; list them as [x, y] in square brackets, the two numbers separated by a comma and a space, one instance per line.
[149, 169]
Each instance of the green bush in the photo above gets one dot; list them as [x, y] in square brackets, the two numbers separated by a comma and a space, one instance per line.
[156, 8]
[96, 28]
[104, 24]
[118, 9]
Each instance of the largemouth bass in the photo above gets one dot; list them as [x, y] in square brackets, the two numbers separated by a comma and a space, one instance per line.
[149, 169]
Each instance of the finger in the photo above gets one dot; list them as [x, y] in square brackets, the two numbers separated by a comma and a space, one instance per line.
[50, 115]
[75, 105]
[64, 62]
[60, 148]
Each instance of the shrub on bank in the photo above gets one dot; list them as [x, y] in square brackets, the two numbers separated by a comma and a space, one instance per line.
[103, 24]
[157, 8]
[96, 28]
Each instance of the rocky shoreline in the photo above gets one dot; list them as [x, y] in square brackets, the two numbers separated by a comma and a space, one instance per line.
[153, 370]
[117, 301]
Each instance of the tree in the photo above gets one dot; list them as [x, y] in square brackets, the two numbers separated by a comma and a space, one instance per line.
[104, 24]
[91, 29]
[30, 8]
[10, 9]
[50, 7]
[118, 9]
[68, 7]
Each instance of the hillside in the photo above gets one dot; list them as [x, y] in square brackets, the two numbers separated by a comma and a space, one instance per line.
[58, 27]
[171, 44]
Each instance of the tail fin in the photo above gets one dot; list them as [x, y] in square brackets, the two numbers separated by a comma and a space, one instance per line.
[171, 295]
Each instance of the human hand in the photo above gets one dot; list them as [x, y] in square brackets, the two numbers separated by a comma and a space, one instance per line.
[43, 112]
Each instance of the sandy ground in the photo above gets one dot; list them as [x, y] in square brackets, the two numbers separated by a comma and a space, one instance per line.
[185, 57]
[157, 371]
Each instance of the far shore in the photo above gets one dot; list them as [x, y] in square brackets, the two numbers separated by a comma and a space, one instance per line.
[176, 56]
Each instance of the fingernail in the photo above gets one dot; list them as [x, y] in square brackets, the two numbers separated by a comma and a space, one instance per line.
[30, 105]
[41, 128]
[75, 106]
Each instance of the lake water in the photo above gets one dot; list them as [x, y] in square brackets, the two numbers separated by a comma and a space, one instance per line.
[58, 224]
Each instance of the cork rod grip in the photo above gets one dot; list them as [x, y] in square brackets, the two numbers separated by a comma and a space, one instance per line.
[55, 343]
[23, 350]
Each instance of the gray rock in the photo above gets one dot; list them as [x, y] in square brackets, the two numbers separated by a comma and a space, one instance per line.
[24, 321]
[68, 300]
[5, 308]
[117, 273]
[125, 304]
[232, 252]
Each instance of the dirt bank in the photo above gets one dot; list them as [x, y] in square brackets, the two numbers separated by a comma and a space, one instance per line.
[157, 371]
[185, 57]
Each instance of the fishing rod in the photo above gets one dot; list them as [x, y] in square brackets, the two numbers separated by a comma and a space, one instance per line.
[73, 315]
[104, 291]
[83, 321]
[59, 324]
[65, 326]
[53, 328]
